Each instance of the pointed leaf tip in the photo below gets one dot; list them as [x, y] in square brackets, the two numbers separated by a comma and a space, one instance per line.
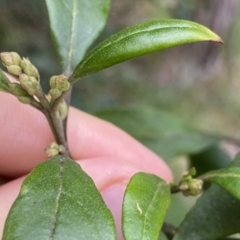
[58, 200]
[142, 39]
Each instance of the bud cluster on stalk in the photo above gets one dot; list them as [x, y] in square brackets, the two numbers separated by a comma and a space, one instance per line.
[28, 84]
[25, 72]
[58, 84]
[53, 149]
[190, 186]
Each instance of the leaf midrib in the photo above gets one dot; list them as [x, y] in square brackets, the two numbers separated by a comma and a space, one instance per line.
[148, 209]
[130, 35]
[59, 192]
[71, 42]
[221, 175]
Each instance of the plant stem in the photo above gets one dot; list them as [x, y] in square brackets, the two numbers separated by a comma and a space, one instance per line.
[67, 98]
[169, 230]
[36, 105]
[59, 129]
[175, 189]
[54, 120]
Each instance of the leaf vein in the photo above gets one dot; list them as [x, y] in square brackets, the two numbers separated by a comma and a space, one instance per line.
[149, 208]
[70, 51]
[54, 224]
[130, 35]
[222, 175]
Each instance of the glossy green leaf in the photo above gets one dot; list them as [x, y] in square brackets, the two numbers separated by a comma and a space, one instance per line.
[158, 130]
[228, 178]
[142, 39]
[211, 158]
[75, 24]
[146, 201]
[59, 201]
[3, 82]
[215, 215]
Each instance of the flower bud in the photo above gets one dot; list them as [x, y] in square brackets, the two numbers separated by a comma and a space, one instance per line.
[51, 152]
[192, 187]
[192, 171]
[52, 82]
[61, 149]
[25, 99]
[60, 82]
[53, 149]
[17, 90]
[184, 186]
[29, 83]
[54, 93]
[63, 109]
[15, 58]
[28, 68]
[49, 98]
[14, 70]
[10, 58]
[6, 58]
[195, 186]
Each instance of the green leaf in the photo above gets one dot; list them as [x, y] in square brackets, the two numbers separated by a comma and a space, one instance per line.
[235, 162]
[142, 39]
[59, 201]
[228, 178]
[3, 82]
[146, 201]
[216, 214]
[212, 158]
[75, 24]
[158, 130]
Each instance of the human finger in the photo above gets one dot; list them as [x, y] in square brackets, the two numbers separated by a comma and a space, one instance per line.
[25, 133]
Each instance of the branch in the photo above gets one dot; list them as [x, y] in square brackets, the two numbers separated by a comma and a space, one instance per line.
[169, 230]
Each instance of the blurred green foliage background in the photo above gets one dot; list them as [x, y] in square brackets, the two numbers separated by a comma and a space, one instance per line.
[197, 84]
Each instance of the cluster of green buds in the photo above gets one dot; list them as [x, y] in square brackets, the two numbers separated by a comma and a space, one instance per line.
[17, 66]
[190, 186]
[53, 149]
[25, 72]
[59, 84]
[11, 61]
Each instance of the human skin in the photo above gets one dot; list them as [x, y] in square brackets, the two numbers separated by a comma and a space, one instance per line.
[109, 155]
